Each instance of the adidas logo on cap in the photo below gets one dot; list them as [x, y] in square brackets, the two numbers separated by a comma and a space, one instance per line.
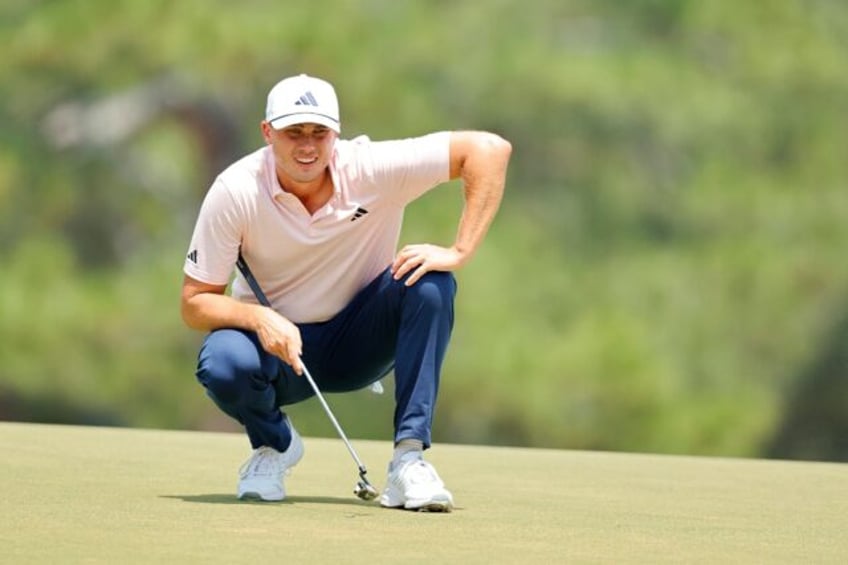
[307, 99]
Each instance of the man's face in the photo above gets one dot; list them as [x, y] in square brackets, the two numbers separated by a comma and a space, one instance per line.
[301, 151]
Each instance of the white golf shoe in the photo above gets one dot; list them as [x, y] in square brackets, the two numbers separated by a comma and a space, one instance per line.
[414, 484]
[261, 476]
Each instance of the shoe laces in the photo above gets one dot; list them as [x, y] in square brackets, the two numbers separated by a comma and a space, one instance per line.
[419, 471]
[265, 461]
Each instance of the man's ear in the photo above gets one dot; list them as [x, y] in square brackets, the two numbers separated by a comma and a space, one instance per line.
[266, 131]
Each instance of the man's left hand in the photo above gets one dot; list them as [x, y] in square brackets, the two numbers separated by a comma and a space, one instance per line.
[423, 258]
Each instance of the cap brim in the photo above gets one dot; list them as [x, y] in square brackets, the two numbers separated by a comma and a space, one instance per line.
[281, 122]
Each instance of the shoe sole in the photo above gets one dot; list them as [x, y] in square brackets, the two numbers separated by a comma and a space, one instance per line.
[391, 499]
[434, 505]
[443, 507]
[258, 497]
[440, 507]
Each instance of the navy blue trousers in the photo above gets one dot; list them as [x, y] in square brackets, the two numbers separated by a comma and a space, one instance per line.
[386, 326]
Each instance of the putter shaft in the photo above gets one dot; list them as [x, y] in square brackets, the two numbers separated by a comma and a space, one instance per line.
[370, 491]
[335, 422]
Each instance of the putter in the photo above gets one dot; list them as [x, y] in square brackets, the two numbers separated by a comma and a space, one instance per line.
[363, 489]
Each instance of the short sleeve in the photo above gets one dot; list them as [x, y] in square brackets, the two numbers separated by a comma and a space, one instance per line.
[405, 169]
[217, 235]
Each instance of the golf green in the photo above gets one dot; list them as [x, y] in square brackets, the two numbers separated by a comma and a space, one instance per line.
[107, 495]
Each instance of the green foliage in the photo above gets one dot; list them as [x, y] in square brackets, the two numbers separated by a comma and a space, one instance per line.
[667, 258]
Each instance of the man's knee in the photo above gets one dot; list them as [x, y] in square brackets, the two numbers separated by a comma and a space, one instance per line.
[229, 360]
[435, 290]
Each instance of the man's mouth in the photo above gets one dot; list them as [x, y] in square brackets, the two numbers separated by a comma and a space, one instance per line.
[305, 161]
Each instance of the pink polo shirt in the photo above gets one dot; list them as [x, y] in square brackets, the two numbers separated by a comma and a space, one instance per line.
[311, 266]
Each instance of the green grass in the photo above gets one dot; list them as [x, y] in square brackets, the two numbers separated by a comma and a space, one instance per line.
[106, 495]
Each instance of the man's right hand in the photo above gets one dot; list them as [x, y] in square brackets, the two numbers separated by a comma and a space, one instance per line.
[205, 307]
[279, 337]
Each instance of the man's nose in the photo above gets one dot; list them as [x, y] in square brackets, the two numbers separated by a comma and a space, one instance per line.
[307, 141]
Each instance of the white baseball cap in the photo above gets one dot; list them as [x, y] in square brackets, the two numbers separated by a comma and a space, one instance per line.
[303, 99]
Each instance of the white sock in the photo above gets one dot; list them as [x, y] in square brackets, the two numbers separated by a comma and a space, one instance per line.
[405, 446]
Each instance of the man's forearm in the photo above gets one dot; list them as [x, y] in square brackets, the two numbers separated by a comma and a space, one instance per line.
[484, 177]
[209, 311]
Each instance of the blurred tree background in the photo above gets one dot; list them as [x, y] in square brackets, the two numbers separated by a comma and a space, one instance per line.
[666, 273]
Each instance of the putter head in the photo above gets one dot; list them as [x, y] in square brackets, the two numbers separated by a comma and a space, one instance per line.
[364, 490]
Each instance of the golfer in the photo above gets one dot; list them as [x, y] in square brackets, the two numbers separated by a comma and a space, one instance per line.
[317, 219]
